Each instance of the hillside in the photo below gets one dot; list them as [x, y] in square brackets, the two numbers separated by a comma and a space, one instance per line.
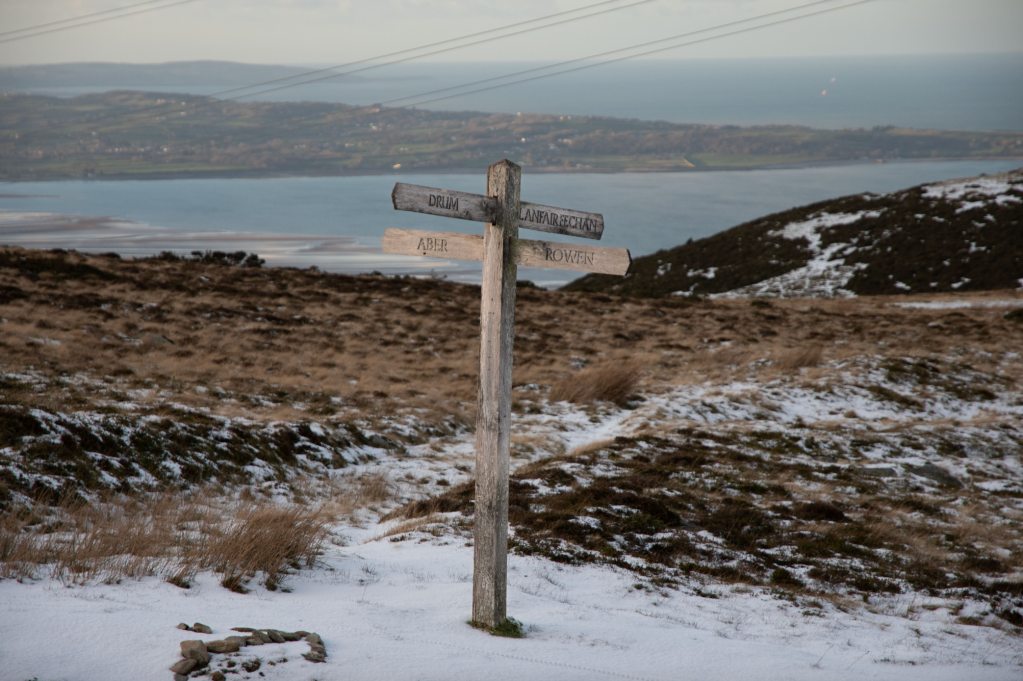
[831, 484]
[144, 134]
[960, 235]
[112, 75]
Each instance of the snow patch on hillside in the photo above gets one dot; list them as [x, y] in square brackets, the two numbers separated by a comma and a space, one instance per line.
[825, 275]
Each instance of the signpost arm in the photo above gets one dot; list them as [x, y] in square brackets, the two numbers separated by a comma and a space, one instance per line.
[497, 321]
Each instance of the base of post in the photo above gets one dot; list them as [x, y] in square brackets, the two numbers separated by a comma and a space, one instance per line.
[509, 628]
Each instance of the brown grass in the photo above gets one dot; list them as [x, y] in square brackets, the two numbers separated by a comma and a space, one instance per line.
[605, 383]
[294, 339]
[175, 536]
[802, 357]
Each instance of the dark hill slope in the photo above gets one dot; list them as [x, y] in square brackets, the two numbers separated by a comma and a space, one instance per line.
[960, 235]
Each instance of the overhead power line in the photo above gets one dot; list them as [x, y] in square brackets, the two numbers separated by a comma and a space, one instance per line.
[94, 21]
[79, 18]
[371, 110]
[133, 116]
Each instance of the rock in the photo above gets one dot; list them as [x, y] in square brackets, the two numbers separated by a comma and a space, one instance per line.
[254, 640]
[218, 676]
[184, 626]
[314, 639]
[319, 650]
[201, 628]
[275, 635]
[936, 474]
[181, 677]
[157, 339]
[223, 646]
[314, 657]
[195, 650]
[251, 665]
[241, 640]
[302, 634]
[184, 666]
[879, 472]
[243, 629]
[263, 636]
[290, 635]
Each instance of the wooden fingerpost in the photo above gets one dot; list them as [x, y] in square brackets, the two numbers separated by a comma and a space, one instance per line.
[493, 420]
[501, 251]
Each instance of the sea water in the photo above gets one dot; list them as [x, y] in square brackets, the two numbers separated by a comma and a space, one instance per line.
[951, 92]
[336, 223]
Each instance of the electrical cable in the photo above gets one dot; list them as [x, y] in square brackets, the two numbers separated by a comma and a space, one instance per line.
[94, 21]
[373, 110]
[206, 98]
[79, 18]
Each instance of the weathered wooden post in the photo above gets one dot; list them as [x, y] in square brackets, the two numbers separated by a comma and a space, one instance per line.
[501, 251]
[493, 420]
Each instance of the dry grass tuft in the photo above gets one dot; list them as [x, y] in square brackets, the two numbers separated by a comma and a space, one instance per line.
[606, 383]
[792, 359]
[176, 536]
[262, 539]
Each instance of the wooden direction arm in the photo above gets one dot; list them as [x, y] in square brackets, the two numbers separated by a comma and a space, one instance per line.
[465, 206]
[526, 252]
[444, 202]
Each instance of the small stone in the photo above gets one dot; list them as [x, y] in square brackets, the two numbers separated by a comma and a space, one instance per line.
[218, 676]
[263, 636]
[314, 638]
[275, 635]
[184, 626]
[195, 650]
[201, 628]
[254, 640]
[241, 640]
[243, 629]
[251, 665]
[224, 646]
[290, 635]
[302, 634]
[935, 473]
[879, 472]
[314, 657]
[184, 666]
[318, 649]
[181, 677]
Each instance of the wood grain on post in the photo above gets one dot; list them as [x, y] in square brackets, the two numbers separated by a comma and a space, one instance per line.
[525, 252]
[433, 244]
[497, 321]
[579, 257]
[560, 221]
[444, 202]
[451, 204]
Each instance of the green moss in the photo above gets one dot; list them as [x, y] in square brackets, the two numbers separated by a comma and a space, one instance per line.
[509, 628]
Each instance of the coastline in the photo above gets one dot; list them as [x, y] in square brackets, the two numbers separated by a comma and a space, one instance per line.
[468, 170]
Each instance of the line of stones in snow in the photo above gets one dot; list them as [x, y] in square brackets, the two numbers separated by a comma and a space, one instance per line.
[196, 653]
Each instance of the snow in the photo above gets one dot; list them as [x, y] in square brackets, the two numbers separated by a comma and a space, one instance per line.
[398, 611]
[955, 304]
[826, 274]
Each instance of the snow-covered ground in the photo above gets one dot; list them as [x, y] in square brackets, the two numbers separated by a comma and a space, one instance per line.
[398, 611]
[390, 609]
[826, 272]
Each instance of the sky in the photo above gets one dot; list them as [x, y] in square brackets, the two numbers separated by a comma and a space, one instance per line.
[332, 31]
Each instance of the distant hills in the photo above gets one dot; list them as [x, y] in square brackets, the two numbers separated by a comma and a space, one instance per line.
[960, 235]
[129, 134]
[182, 73]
